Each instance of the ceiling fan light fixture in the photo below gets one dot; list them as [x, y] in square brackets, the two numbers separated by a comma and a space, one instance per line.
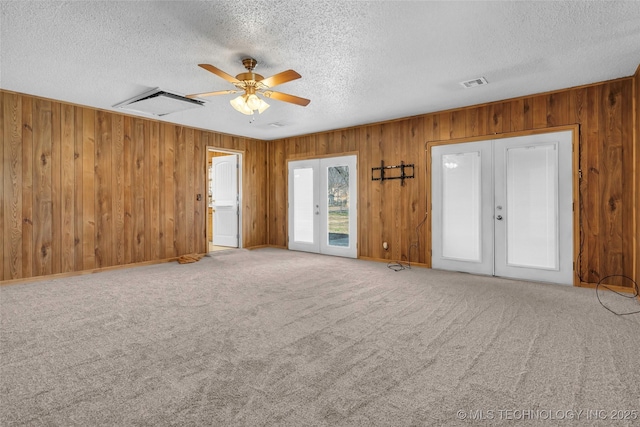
[247, 104]
[252, 84]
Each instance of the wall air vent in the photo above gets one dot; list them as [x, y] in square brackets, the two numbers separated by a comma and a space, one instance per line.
[159, 103]
[474, 82]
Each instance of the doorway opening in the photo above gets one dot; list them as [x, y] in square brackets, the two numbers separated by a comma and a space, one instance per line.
[224, 198]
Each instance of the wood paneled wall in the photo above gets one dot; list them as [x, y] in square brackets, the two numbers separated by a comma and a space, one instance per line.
[636, 145]
[85, 189]
[392, 213]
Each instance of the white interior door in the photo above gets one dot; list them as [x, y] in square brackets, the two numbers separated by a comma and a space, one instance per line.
[225, 201]
[322, 206]
[504, 207]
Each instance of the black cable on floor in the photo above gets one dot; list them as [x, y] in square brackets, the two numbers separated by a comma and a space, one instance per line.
[635, 294]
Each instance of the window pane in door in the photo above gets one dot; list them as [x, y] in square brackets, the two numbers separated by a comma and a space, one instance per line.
[303, 205]
[338, 204]
[461, 206]
[532, 188]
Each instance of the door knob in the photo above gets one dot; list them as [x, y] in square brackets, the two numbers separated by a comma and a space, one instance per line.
[499, 217]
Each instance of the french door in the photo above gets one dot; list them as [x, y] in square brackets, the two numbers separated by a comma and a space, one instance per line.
[322, 206]
[505, 207]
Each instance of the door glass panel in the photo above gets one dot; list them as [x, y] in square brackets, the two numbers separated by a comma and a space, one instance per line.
[532, 229]
[303, 205]
[461, 206]
[338, 204]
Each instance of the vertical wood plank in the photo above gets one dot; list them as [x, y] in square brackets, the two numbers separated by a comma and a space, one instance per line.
[494, 119]
[636, 174]
[628, 179]
[558, 109]
[419, 203]
[578, 114]
[471, 122]
[591, 194]
[88, 189]
[153, 209]
[138, 190]
[56, 192]
[611, 182]
[189, 193]
[528, 113]
[180, 234]
[168, 200]
[12, 186]
[364, 191]
[67, 188]
[199, 216]
[128, 196]
[2, 204]
[539, 112]
[457, 124]
[27, 187]
[278, 169]
[444, 122]
[117, 188]
[78, 190]
[104, 193]
[517, 115]
[42, 212]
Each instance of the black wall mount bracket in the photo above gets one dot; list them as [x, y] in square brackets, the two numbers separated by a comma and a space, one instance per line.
[382, 174]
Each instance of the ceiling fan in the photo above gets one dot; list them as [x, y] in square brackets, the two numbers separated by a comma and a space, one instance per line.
[253, 84]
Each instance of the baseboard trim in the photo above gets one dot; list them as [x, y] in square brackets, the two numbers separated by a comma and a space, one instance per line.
[83, 272]
[387, 261]
[616, 288]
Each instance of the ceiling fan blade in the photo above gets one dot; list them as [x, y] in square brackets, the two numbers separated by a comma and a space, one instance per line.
[219, 92]
[287, 98]
[218, 72]
[278, 79]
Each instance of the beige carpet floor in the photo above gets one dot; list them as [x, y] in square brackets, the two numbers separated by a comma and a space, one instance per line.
[277, 338]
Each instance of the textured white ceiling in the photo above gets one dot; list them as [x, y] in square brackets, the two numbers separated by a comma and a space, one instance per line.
[361, 62]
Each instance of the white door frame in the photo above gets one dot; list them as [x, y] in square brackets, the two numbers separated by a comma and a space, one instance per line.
[240, 205]
[575, 243]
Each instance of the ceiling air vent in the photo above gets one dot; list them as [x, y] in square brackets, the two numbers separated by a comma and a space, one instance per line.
[474, 82]
[159, 103]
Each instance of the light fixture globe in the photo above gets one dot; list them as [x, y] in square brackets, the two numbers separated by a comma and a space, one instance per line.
[263, 106]
[240, 104]
[253, 102]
